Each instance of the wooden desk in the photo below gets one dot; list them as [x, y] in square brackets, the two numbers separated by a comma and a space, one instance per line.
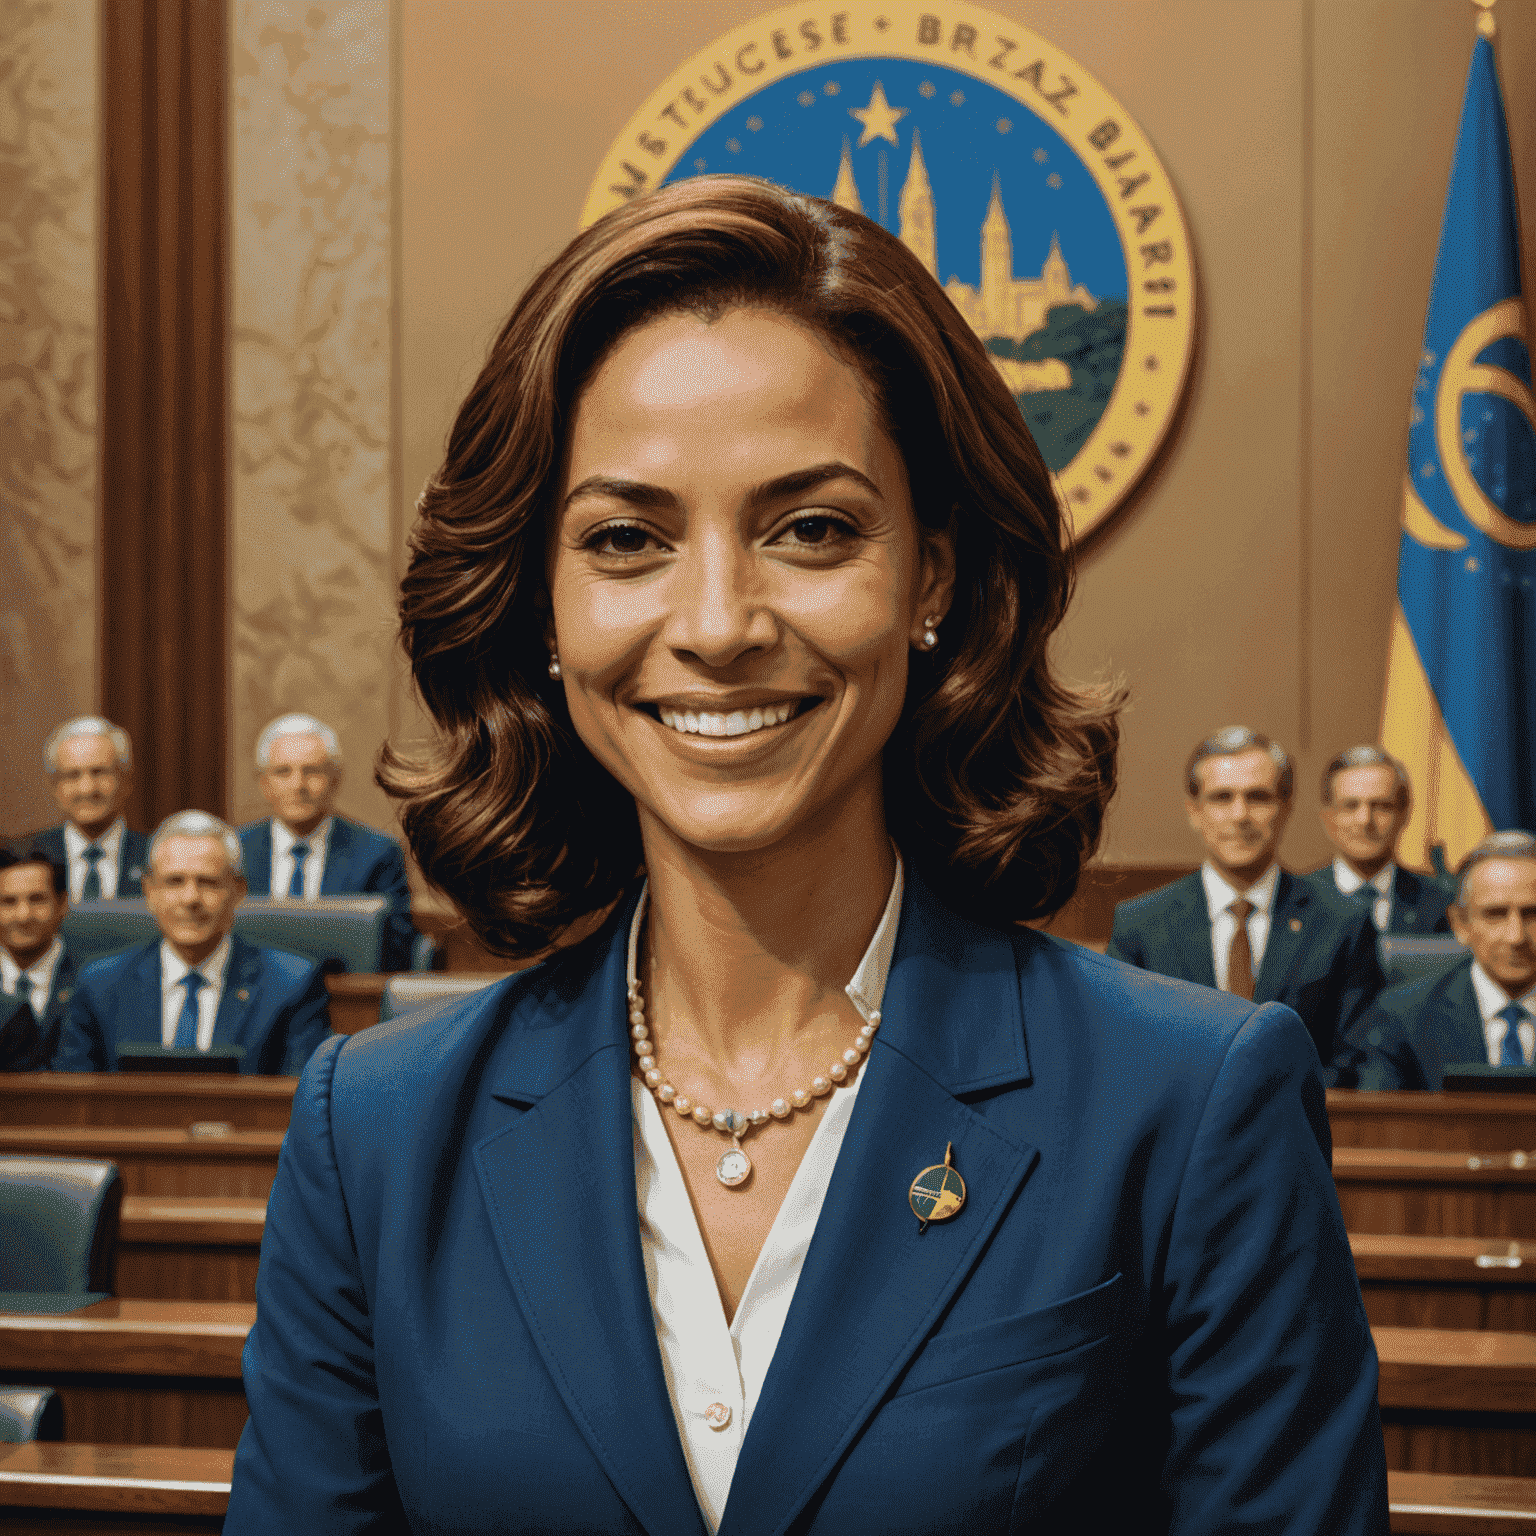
[161, 1161]
[113, 1488]
[356, 999]
[193, 1248]
[1458, 1401]
[136, 1372]
[1446, 1282]
[1449, 1194]
[144, 1098]
[1427, 1504]
[1433, 1122]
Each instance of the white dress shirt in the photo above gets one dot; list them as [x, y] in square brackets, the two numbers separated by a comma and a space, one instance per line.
[282, 858]
[173, 994]
[1491, 998]
[706, 1360]
[1219, 896]
[111, 845]
[1349, 882]
[39, 974]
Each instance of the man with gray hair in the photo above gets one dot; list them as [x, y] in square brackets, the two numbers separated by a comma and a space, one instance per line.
[304, 850]
[201, 985]
[89, 762]
[1479, 1010]
[1366, 799]
[1240, 922]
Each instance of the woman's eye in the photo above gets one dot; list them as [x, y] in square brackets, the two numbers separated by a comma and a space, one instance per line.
[619, 539]
[818, 530]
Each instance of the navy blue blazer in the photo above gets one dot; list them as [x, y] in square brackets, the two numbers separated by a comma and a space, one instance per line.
[358, 861]
[1418, 1029]
[28, 1043]
[132, 862]
[1145, 1317]
[1418, 902]
[274, 1004]
[1320, 959]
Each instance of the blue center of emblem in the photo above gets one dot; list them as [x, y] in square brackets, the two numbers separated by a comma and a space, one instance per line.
[988, 196]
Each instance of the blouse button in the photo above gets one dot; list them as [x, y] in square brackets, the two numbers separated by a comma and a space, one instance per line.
[717, 1415]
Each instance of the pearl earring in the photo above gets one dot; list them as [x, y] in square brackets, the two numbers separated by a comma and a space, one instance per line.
[554, 664]
[930, 631]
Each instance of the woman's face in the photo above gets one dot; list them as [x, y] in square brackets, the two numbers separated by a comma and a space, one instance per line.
[737, 578]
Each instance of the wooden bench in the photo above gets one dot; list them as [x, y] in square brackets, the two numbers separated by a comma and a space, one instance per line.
[164, 1161]
[1431, 1504]
[189, 1248]
[1433, 1122]
[144, 1098]
[136, 1372]
[113, 1488]
[1458, 1401]
[1412, 1281]
[1449, 1194]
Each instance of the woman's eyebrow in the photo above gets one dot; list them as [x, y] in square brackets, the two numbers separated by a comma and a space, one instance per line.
[637, 493]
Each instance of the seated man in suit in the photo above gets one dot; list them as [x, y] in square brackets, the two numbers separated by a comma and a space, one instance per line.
[1481, 1009]
[304, 850]
[201, 985]
[1365, 807]
[37, 974]
[90, 769]
[1240, 922]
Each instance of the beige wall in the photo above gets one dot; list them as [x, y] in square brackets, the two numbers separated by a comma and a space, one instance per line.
[1253, 578]
[48, 191]
[314, 497]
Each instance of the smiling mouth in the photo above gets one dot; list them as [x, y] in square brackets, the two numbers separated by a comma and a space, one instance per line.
[739, 722]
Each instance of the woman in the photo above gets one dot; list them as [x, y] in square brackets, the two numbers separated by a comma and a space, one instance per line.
[811, 1192]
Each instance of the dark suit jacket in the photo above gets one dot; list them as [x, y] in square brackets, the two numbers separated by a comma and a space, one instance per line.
[1145, 1317]
[1418, 902]
[133, 862]
[1417, 1030]
[1320, 959]
[27, 1043]
[274, 1004]
[358, 861]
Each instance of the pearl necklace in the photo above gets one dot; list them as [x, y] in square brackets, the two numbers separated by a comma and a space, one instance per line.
[734, 1167]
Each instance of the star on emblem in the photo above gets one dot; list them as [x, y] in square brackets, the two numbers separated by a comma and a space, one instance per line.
[879, 117]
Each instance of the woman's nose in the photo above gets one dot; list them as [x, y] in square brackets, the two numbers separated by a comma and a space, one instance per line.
[720, 608]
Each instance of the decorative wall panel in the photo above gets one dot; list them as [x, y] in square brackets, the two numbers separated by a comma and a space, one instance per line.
[48, 52]
[312, 612]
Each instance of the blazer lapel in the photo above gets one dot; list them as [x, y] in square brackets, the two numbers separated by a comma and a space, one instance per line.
[258, 860]
[242, 980]
[1189, 932]
[1287, 937]
[141, 1009]
[873, 1286]
[559, 1184]
[338, 850]
[1457, 1026]
[62, 990]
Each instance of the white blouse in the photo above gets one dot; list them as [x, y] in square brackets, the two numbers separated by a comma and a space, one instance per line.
[707, 1361]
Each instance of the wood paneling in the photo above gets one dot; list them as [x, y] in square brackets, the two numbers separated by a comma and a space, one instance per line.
[1435, 1193]
[1439, 1122]
[1427, 1504]
[190, 1248]
[162, 1161]
[163, 397]
[145, 1099]
[1446, 1282]
[135, 1482]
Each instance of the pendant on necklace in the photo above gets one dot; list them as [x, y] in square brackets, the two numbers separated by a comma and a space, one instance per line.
[734, 1167]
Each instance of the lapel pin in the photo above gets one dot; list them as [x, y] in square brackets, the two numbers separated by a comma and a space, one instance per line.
[1295, 925]
[64, 994]
[937, 1193]
[242, 994]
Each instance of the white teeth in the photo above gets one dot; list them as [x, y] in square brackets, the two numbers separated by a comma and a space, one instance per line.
[737, 723]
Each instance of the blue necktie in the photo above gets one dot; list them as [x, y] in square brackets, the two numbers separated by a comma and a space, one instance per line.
[300, 852]
[91, 890]
[186, 1025]
[1510, 1053]
[24, 991]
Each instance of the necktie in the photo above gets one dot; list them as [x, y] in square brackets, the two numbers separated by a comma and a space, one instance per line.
[91, 890]
[1510, 1053]
[24, 991]
[186, 1025]
[1240, 956]
[296, 884]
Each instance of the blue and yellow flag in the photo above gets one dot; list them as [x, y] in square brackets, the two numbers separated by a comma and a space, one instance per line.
[1458, 708]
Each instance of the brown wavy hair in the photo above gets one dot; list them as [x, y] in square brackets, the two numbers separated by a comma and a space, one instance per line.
[997, 774]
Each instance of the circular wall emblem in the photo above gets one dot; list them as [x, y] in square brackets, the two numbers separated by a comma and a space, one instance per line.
[1018, 180]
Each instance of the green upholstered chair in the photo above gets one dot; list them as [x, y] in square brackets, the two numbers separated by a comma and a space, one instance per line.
[58, 1224]
[30, 1413]
[1407, 957]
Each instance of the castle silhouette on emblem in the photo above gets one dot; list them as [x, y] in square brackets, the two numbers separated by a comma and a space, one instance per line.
[1003, 306]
